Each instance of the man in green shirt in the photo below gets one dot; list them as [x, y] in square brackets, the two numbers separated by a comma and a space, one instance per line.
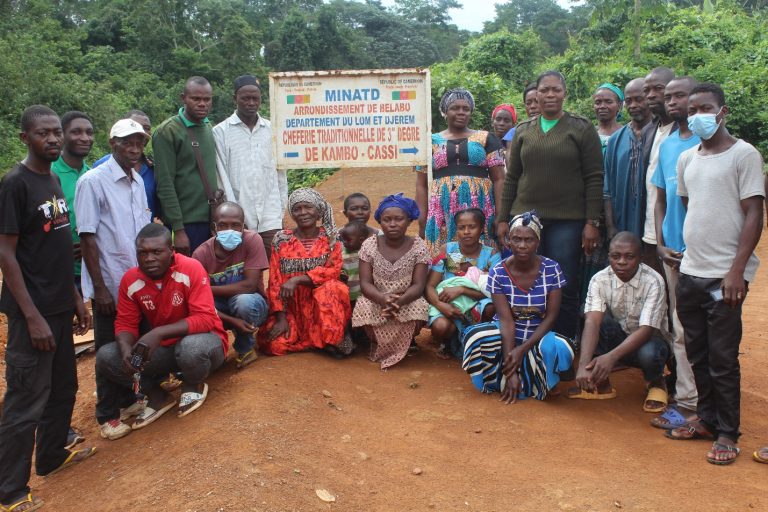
[179, 186]
[78, 141]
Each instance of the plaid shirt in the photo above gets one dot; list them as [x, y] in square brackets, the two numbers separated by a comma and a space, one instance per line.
[638, 302]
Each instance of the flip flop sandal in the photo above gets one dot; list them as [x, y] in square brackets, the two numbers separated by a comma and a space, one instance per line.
[759, 458]
[669, 419]
[583, 394]
[719, 448]
[656, 395]
[72, 459]
[192, 401]
[36, 502]
[150, 415]
[688, 432]
[246, 359]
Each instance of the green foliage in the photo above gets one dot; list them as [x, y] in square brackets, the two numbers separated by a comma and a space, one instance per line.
[488, 90]
[511, 56]
[301, 178]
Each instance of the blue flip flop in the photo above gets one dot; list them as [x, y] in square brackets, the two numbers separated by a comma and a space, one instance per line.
[672, 417]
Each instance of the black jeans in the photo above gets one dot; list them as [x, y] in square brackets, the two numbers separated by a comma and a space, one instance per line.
[38, 404]
[107, 396]
[712, 337]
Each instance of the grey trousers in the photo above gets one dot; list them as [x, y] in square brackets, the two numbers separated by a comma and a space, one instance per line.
[195, 355]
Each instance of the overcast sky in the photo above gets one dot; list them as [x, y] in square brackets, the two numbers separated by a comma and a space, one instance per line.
[474, 12]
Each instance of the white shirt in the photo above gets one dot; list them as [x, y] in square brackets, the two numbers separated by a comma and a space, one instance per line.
[649, 230]
[248, 172]
[114, 208]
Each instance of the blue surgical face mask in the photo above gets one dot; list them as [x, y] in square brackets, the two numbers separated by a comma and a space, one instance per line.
[704, 125]
[229, 239]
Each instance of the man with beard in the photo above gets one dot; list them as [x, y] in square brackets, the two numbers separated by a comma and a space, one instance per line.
[655, 85]
[178, 142]
[624, 185]
[111, 206]
[670, 214]
[39, 298]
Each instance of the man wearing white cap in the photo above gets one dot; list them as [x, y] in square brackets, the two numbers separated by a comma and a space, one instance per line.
[111, 207]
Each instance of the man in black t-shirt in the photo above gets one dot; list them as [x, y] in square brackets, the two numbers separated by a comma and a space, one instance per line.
[39, 298]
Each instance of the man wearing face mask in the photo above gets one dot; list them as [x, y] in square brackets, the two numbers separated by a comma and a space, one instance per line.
[721, 184]
[234, 259]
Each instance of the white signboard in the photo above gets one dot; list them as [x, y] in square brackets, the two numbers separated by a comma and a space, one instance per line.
[361, 118]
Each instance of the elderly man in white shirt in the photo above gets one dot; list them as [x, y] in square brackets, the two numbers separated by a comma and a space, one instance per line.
[111, 207]
[246, 164]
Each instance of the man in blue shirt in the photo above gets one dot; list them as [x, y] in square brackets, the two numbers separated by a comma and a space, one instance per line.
[670, 215]
[145, 167]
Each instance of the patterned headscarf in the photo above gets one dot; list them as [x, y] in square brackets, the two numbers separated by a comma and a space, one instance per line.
[529, 220]
[453, 95]
[398, 200]
[313, 197]
[509, 108]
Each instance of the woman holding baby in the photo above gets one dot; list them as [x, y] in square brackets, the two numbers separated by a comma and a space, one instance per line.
[456, 283]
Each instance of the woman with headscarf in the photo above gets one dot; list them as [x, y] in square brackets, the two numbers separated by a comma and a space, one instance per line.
[467, 172]
[555, 166]
[308, 303]
[503, 121]
[607, 102]
[393, 272]
[518, 353]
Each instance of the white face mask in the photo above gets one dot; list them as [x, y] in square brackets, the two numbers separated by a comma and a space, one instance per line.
[704, 125]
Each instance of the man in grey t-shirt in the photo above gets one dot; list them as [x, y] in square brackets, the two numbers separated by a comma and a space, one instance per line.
[721, 184]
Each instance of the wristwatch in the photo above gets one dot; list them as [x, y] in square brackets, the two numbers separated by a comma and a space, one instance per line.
[595, 223]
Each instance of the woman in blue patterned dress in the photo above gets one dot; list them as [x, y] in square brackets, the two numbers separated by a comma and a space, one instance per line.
[518, 354]
[447, 317]
[467, 172]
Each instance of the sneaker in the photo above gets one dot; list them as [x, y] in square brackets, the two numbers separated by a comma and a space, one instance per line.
[132, 410]
[73, 437]
[114, 429]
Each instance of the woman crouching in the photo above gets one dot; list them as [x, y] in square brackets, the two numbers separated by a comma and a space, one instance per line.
[393, 272]
[518, 353]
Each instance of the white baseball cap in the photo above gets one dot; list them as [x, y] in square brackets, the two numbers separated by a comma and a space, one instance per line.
[126, 127]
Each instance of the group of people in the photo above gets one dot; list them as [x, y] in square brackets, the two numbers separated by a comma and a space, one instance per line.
[548, 250]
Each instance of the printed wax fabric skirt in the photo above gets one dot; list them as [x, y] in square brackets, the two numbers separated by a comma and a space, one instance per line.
[451, 194]
[539, 372]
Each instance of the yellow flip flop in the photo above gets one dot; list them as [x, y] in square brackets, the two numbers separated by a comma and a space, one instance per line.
[656, 395]
[759, 458]
[36, 502]
[583, 394]
[72, 459]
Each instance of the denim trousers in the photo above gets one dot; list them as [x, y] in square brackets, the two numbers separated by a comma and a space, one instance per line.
[561, 241]
[250, 307]
[650, 358]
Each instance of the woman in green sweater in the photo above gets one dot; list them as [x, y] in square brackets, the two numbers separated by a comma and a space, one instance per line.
[555, 167]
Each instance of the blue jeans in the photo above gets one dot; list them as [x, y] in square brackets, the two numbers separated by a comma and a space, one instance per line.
[250, 307]
[561, 241]
[650, 358]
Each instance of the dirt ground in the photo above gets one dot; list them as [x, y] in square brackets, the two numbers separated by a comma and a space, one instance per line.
[271, 435]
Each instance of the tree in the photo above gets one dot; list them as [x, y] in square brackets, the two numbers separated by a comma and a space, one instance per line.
[514, 57]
